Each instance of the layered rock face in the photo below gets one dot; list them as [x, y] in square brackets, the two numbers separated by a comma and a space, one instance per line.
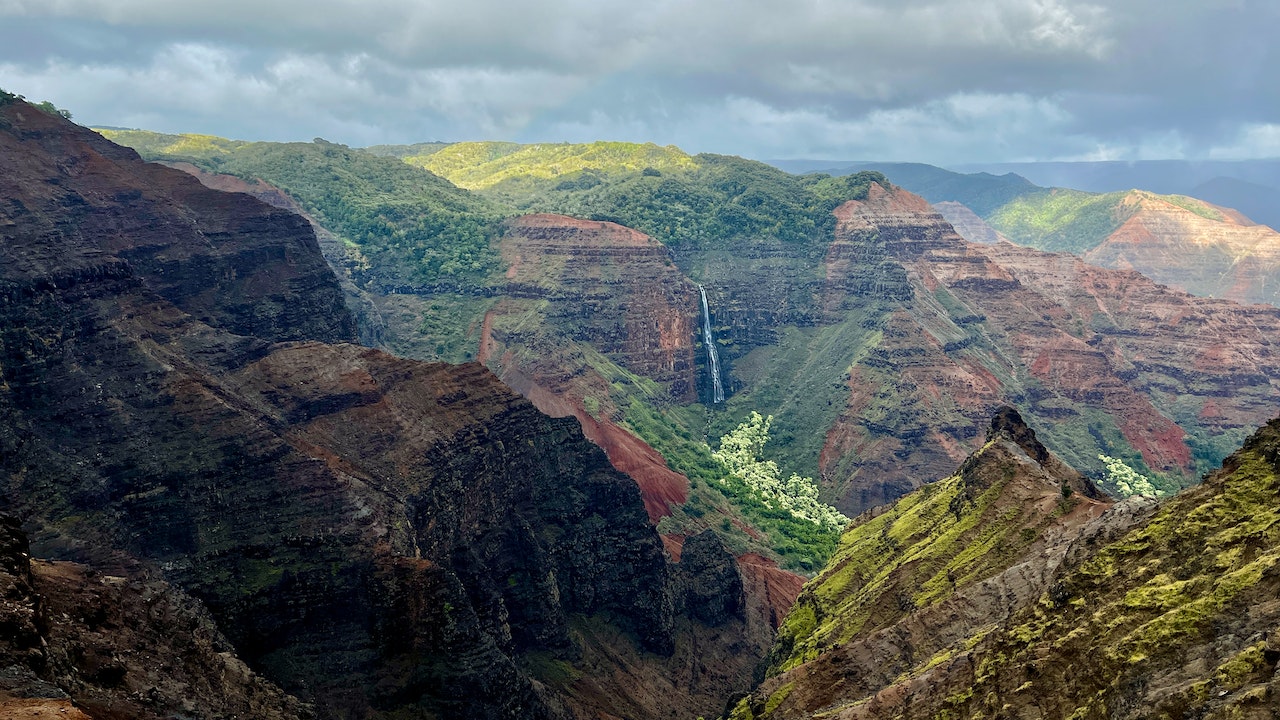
[577, 290]
[1226, 256]
[375, 535]
[1147, 612]
[82, 644]
[611, 286]
[1100, 359]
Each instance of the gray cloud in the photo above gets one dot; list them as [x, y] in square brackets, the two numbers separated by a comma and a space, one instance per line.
[933, 80]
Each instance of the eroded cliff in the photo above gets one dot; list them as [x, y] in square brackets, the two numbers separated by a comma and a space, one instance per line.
[377, 536]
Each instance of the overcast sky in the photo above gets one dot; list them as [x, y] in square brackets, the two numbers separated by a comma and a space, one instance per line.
[940, 81]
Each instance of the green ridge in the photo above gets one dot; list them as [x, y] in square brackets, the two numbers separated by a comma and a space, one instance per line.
[918, 552]
[414, 227]
[479, 165]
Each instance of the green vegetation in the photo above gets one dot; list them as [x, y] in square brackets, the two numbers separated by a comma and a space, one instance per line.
[479, 165]
[705, 199]
[1127, 480]
[803, 382]
[800, 543]
[1061, 220]
[725, 199]
[1145, 601]
[197, 149]
[46, 106]
[413, 227]
[1199, 207]
[741, 453]
[918, 552]
[404, 151]
[453, 321]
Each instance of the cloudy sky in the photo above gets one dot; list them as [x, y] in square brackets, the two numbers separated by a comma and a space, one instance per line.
[941, 81]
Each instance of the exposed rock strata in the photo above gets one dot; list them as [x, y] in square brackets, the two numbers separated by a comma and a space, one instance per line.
[375, 535]
[78, 643]
[1227, 256]
[1087, 352]
[576, 287]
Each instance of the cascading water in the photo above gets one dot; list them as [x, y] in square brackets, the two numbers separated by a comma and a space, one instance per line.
[713, 354]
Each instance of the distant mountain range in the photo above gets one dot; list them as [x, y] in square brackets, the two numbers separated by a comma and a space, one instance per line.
[1250, 186]
[1209, 248]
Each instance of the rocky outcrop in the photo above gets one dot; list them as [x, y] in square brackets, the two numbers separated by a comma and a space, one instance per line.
[1150, 612]
[79, 643]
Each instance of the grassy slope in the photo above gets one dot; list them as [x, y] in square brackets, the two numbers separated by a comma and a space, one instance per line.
[918, 552]
[1180, 606]
[1139, 605]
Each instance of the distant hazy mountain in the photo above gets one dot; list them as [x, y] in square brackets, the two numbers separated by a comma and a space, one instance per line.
[1250, 186]
[981, 192]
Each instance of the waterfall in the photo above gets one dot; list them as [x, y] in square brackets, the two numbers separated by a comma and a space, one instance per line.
[713, 353]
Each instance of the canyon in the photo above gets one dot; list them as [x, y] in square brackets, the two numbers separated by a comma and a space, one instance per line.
[880, 346]
[542, 530]
[184, 407]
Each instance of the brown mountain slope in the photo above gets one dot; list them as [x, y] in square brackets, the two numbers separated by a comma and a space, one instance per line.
[1225, 255]
[1167, 613]
[968, 223]
[1098, 360]
[379, 536]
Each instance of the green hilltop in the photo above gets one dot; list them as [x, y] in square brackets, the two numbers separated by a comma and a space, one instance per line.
[480, 165]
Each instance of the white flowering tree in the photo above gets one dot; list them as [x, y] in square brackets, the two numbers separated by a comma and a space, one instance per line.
[741, 452]
[1127, 480]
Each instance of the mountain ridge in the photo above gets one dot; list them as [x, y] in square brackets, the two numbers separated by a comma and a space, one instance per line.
[1154, 611]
